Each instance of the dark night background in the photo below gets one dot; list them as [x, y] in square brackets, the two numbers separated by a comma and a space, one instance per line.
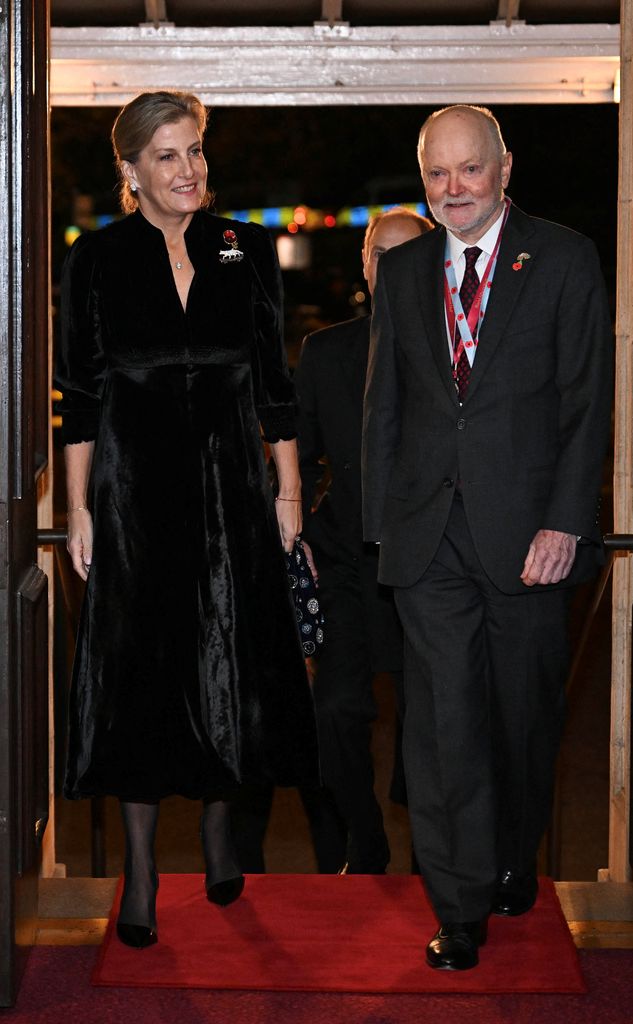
[565, 169]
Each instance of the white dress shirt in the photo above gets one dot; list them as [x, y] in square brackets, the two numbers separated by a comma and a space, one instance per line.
[456, 248]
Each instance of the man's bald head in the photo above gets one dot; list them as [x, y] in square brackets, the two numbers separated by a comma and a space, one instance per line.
[480, 115]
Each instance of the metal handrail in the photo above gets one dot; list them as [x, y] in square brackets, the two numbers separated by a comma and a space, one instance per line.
[612, 541]
[618, 541]
[50, 536]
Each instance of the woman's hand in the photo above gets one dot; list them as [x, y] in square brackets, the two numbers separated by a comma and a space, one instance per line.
[288, 501]
[289, 520]
[310, 560]
[78, 459]
[79, 540]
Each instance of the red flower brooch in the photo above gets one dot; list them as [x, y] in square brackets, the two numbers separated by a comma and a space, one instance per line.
[518, 263]
[233, 254]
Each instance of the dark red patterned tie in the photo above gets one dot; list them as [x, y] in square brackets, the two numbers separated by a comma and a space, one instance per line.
[467, 293]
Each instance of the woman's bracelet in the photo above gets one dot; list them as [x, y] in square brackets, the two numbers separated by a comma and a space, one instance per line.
[77, 508]
[279, 498]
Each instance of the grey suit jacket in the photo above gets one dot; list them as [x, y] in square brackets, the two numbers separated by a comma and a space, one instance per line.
[528, 443]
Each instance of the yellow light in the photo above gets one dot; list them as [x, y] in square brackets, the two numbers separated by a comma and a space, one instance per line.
[71, 233]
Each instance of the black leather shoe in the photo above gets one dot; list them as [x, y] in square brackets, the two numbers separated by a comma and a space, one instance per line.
[455, 947]
[138, 936]
[225, 892]
[515, 895]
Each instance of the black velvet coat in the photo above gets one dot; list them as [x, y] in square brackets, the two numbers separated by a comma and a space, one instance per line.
[188, 674]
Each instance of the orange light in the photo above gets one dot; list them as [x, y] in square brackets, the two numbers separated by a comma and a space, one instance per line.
[300, 215]
[293, 228]
[329, 220]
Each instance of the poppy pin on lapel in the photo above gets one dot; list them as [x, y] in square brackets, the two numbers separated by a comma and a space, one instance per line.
[234, 253]
[518, 263]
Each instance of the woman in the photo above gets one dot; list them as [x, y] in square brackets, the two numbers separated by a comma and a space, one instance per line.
[189, 677]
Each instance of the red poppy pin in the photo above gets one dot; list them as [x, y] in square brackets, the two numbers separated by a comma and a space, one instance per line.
[518, 263]
[233, 254]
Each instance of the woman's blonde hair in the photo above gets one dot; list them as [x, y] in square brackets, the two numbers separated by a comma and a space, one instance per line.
[136, 124]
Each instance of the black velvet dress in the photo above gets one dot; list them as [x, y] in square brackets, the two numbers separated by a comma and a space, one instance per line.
[189, 675]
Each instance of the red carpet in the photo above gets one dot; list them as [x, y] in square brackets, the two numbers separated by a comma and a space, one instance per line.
[354, 933]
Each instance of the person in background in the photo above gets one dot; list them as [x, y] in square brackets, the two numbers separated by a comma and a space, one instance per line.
[487, 418]
[189, 675]
[362, 632]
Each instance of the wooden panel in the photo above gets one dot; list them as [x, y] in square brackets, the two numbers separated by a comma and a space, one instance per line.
[24, 338]
[619, 869]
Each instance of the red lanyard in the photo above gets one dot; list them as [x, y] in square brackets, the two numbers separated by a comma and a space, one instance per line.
[468, 326]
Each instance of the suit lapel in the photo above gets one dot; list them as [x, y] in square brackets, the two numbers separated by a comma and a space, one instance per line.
[429, 269]
[507, 286]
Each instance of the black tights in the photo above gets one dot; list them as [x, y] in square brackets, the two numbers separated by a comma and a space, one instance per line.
[138, 903]
[217, 846]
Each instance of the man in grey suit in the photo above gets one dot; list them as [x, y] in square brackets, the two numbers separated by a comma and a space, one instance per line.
[487, 414]
[363, 635]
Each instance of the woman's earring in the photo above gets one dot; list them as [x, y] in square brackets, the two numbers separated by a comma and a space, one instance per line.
[133, 186]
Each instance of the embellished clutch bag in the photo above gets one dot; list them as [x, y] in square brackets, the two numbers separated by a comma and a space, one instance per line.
[305, 598]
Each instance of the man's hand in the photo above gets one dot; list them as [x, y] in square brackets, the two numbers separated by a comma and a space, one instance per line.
[550, 557]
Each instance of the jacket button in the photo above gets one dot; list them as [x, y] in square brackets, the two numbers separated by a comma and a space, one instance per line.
[346, 465]
[448, 481]
[461, 424]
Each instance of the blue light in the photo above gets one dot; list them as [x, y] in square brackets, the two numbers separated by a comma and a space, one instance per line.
[420, 208]
[358, 216]
[241, 215]
[271, 216]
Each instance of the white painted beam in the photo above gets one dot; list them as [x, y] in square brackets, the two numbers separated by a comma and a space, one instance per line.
[314, 66]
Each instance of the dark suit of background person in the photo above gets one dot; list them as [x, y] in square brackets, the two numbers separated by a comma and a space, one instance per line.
[455, 494]
[363, 635]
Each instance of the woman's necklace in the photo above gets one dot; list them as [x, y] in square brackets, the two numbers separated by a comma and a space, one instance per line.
[178, 262]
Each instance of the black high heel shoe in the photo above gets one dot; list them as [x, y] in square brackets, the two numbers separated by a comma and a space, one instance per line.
[225, 892]
[138, 936]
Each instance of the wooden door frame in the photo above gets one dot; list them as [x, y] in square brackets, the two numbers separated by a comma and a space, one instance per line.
[24, 452]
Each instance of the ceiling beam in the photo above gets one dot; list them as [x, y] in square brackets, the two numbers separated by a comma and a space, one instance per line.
[368, 65]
